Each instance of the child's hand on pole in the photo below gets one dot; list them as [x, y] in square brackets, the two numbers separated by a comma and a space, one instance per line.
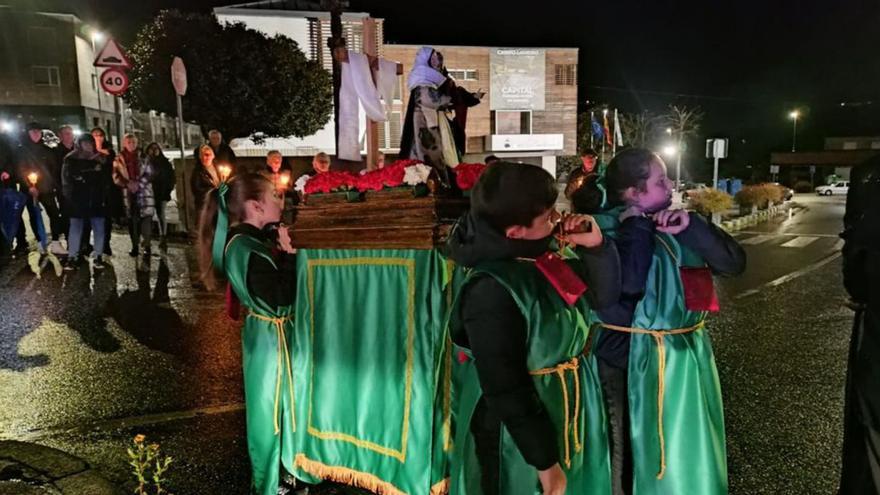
[581, 230]
[671, 221]
[284, 240]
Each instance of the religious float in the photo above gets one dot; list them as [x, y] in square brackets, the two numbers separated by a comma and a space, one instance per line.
[372, 367]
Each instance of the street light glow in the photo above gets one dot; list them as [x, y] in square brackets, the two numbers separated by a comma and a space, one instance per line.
[669, 130]
[794, 114]
[7, 126]
[97, 36]
[670, 150]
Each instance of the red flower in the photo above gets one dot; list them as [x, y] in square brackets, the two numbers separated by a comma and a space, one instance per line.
[467, 174]
[389, 176]
[330, 182]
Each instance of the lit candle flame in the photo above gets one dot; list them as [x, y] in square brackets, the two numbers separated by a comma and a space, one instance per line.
[285, 180]
[225, 171]
[32, 178]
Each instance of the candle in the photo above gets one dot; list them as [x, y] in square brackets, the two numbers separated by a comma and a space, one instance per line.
[285, 180]
[32, 178]
[225, 171]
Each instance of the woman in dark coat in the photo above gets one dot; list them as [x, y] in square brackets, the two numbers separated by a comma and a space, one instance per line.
[163, 184]
[85, 178]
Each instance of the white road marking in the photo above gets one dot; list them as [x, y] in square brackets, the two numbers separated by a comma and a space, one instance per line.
[791, 276]
[799, 242]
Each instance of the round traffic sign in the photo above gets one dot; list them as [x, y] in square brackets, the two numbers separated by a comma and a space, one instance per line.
[114, 81]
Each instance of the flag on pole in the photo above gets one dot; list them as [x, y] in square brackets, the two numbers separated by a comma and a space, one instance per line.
[606, 128]
[618, 133]
[597, 127]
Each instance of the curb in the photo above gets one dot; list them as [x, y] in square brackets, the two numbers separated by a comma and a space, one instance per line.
[29, 468]
[761, 216]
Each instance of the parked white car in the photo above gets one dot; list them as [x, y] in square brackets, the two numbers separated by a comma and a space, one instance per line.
[839, 187]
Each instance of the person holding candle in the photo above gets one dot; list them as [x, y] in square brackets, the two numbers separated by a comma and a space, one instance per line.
[277, 168]
[85, 176]
[205, 177]
[240, 241]
[34, 157]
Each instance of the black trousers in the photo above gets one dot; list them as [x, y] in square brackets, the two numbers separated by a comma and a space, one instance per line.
[614, 388]
[860, 473]
[486, 429]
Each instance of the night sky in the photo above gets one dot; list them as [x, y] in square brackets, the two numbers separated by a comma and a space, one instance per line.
[746, 63]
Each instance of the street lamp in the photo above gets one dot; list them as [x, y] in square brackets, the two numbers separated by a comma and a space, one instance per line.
[670, 150]
[794, 117]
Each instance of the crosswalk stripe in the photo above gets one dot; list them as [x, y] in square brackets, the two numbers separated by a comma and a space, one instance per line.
[799, 242]
[758, 239]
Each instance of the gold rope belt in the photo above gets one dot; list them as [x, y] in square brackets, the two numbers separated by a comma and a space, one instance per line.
[661, 374]
[282, 349]
[559, 370]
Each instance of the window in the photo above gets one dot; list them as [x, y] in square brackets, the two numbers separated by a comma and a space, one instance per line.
[850, 145]
[566, 74]
[875, 145]
[464, 74]
[511, 122]
[46, 76]
[389, 132]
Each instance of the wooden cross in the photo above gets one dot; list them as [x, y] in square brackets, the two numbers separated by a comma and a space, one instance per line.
[340, 56]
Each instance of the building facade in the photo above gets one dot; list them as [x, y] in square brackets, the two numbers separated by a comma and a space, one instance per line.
[47, 76]
[529, 112]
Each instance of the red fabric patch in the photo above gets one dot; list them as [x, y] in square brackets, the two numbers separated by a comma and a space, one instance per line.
[566, 282]
[699, 289]
[462, 357]
[233, 306]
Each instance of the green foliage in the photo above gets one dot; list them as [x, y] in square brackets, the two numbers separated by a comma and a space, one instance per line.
[760, 195]
[709, 201]
[148, 466]
[239, 81]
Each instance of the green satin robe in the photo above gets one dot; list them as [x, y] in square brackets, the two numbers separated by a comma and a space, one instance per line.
[268, 386]
[566, 381]
[693, 440]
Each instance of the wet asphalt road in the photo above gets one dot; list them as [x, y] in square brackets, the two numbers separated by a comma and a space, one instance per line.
[89, 360]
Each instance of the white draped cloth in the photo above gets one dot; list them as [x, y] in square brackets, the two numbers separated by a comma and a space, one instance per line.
[356, 92]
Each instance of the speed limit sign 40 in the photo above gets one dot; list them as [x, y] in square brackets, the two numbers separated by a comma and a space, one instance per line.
[114, 81]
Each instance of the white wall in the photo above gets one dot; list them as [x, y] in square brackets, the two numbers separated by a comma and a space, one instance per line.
[84, 59]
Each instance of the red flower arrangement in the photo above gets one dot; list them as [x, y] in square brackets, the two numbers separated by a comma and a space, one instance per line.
[331, 182]
[467, 174]
[388, 176]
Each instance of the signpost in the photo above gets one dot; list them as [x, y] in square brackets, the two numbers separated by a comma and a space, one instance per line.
[178, 80]
[717, 149]
[114, 80]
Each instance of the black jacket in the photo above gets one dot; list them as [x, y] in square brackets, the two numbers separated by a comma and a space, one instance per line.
[164, 178]
[35, 157]
[85, 183]
[201, 183]
[495, 331]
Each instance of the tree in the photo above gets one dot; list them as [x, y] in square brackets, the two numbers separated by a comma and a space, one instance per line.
[239, 81]
[639, 129]
[683, 123]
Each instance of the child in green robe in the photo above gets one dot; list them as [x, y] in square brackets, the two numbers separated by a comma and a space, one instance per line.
[527, 406]
[239, 235]
[655, 360]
